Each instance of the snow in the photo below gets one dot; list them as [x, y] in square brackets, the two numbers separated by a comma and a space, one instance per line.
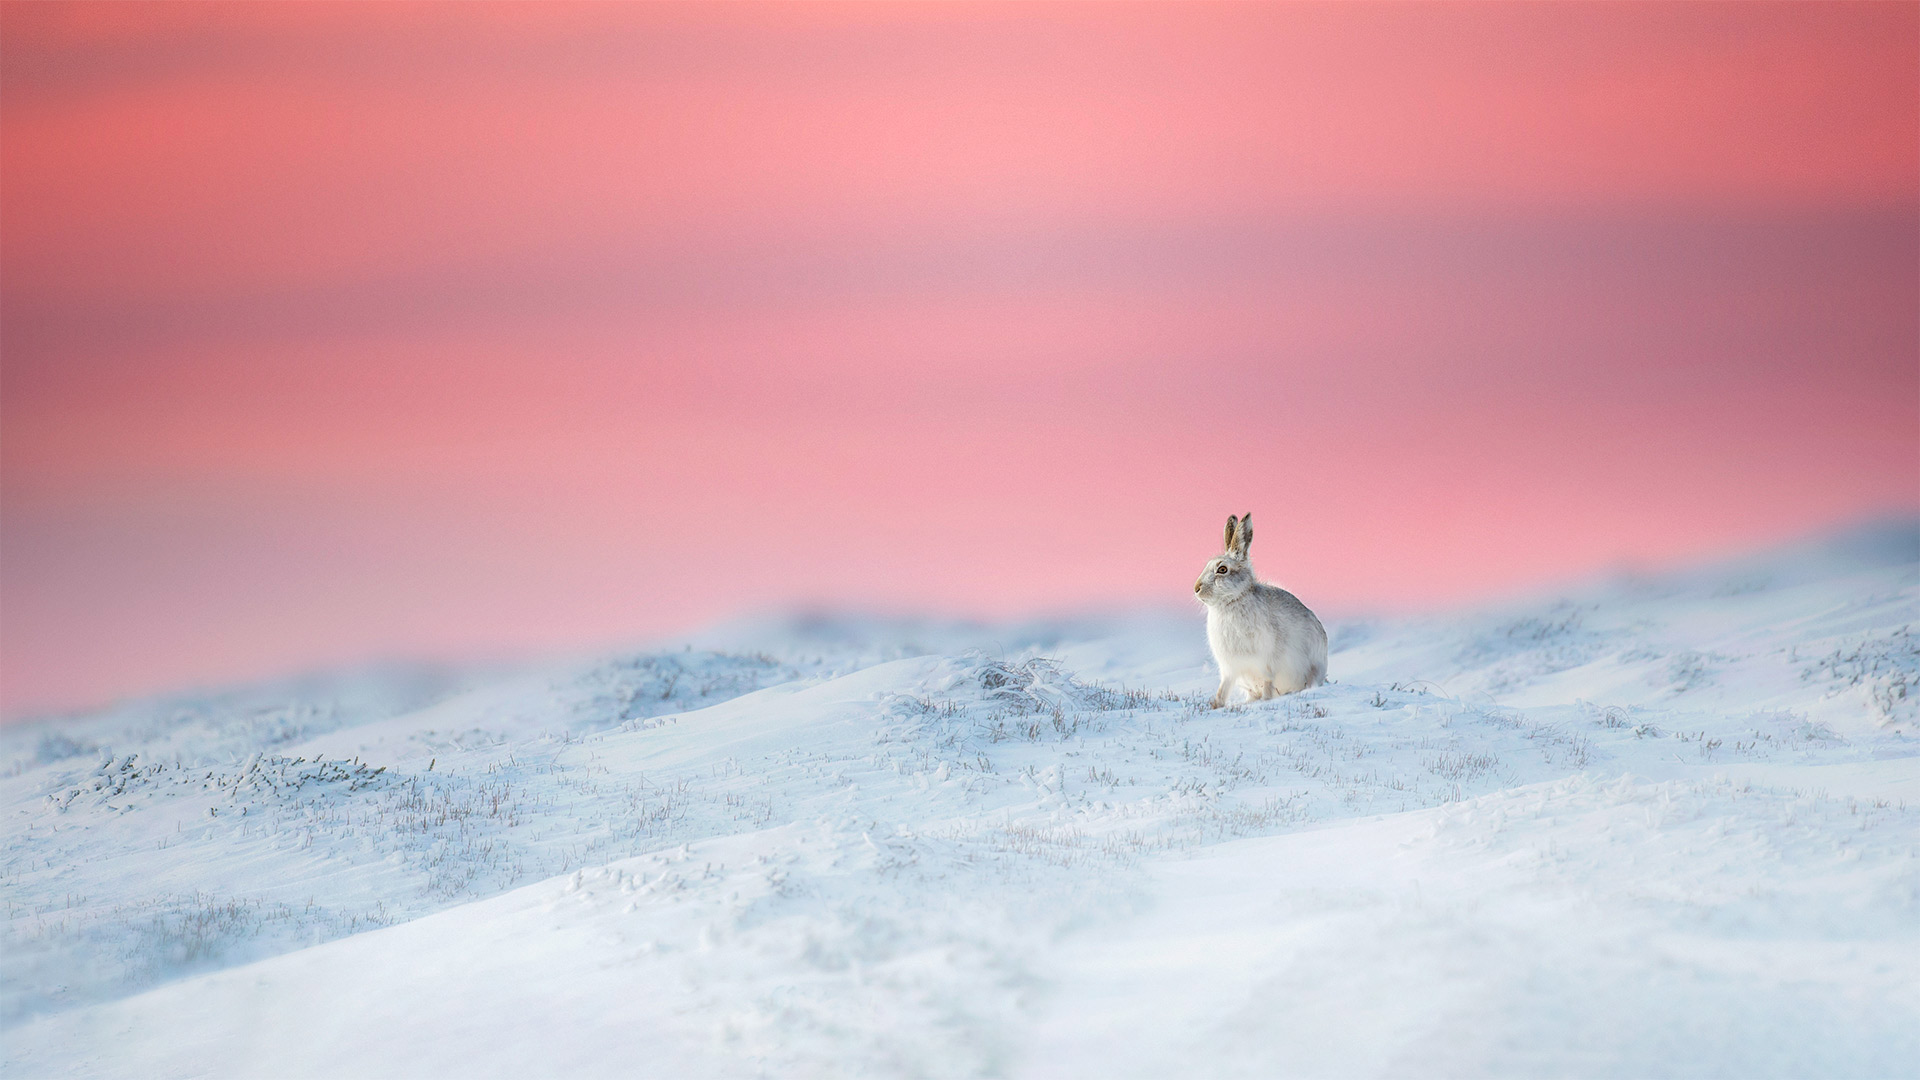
[1650, 826]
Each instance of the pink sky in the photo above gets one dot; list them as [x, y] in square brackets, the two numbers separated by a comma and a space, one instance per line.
[334, 332]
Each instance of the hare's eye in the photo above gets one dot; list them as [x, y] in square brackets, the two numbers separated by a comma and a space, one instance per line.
[1219, 569]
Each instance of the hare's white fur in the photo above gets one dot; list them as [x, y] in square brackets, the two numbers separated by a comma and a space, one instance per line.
[1261, 635]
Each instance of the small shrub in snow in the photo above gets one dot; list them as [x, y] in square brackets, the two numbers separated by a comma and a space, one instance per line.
[1886, 667]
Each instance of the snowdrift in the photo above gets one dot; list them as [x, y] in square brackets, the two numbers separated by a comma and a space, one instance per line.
[1662, 826]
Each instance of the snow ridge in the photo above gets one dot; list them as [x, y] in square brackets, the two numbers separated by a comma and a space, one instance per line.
[1654, 826]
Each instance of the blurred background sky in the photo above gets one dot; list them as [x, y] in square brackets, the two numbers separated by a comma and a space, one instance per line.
[335, 332]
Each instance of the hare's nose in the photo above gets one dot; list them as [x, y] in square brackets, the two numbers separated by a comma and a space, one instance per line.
[1197, 584]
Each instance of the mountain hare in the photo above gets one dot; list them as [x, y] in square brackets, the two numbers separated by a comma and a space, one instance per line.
[1261, 634]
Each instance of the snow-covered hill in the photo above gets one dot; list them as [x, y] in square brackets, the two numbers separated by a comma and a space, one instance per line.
[1660, 827]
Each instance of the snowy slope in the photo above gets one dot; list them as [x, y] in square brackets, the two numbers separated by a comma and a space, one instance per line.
[1654, 827]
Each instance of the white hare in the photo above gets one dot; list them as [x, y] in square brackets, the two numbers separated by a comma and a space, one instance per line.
[1261, 635]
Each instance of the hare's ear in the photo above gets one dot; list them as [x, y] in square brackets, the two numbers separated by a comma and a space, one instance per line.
[1233, 527]
[1242, 539]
